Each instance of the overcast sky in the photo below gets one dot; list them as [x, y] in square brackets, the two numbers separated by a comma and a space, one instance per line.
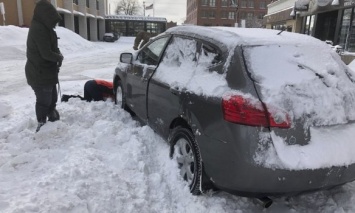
[172, 10]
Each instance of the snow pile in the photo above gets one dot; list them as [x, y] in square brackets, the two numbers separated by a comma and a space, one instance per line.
[13, 42]
[5, 109]
[70, 42]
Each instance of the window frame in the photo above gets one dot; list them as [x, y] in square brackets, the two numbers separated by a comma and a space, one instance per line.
[148, 52]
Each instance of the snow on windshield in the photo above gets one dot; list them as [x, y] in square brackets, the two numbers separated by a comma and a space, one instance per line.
[182, 68]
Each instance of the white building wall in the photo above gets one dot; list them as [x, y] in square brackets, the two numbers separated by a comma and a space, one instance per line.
[69, 18]
[102, 13]
[280, 5]
[85, 14]
[93, 20]
[83, 31]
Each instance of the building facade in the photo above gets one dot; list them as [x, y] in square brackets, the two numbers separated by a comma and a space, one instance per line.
[130, 25]
[327, 20]
[85, 17]
[332, 20]
[281, 16]
[241, 13]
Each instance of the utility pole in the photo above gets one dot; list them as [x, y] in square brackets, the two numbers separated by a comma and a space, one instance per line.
[234, 3]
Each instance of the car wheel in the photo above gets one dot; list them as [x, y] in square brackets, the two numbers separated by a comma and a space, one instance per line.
[119, 97]
[185, 151]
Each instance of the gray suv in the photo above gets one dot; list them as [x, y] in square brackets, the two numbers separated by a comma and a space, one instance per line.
[253, 112]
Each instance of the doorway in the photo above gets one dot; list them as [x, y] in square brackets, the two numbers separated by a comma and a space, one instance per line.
[326, 25]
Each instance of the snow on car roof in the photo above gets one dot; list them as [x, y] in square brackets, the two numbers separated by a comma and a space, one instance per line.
[232, 36]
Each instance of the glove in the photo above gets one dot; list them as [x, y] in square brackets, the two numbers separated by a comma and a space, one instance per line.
[135, 48]
[59, 63]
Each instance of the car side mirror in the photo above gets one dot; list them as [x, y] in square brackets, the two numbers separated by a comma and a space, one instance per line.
[126, 58]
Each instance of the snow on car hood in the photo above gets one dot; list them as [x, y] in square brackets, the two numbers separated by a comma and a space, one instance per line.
[311, 83]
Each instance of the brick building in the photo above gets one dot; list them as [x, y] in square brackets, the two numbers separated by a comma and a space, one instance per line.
[246, 13]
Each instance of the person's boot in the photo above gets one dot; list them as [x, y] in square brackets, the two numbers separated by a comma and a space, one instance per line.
[53, 115]
[41, 122]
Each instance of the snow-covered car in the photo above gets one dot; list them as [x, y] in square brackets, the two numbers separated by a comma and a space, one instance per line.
[110, 37]
[253, 112]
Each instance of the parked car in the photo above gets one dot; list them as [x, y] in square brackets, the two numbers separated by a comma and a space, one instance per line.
[110, 37]
[253, 112]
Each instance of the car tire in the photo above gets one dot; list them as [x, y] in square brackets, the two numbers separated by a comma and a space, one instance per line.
[185, 151]
[120, 98]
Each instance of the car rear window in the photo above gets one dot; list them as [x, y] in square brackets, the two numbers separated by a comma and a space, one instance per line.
[309, 82]
[279, 65]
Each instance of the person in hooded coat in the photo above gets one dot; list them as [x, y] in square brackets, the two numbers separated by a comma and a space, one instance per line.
[43, 61]
[141, 39]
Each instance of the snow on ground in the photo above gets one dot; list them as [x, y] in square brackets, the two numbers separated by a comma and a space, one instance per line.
[97, 158]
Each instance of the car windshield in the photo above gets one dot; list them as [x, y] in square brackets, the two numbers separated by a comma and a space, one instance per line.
[301, 78]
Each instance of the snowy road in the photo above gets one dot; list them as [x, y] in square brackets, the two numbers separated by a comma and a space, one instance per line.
[97, 158]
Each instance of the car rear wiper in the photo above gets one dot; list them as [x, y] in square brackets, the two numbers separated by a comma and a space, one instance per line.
[321, 77]
[282, 30]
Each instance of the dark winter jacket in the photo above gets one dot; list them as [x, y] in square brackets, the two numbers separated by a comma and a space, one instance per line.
[43, 55]
[141, 39]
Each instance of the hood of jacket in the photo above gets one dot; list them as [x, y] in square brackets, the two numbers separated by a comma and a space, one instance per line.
[46, 14]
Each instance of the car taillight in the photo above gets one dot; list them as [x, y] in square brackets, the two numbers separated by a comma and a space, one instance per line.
[237, 109]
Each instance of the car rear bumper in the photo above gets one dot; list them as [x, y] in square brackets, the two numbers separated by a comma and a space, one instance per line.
[229, 170]
[268, 182]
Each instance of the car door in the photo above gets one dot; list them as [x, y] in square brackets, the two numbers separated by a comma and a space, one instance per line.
[167, 83]
[142, 68]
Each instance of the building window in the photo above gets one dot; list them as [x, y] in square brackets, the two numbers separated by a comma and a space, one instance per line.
[224, 3]
[204, 2]
[212, 3]
[97, 5]
[224, 15]
[261, 15]
[204, 14]
[250, 4]
[262, 5]
[75, 2]
[309, 25]
[243, 4]
[347, 31]
[211, 14]
[249, 15]
[231, 15]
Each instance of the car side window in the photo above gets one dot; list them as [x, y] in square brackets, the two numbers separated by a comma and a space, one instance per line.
[208, 56]
[151, 53]
[180, 52]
